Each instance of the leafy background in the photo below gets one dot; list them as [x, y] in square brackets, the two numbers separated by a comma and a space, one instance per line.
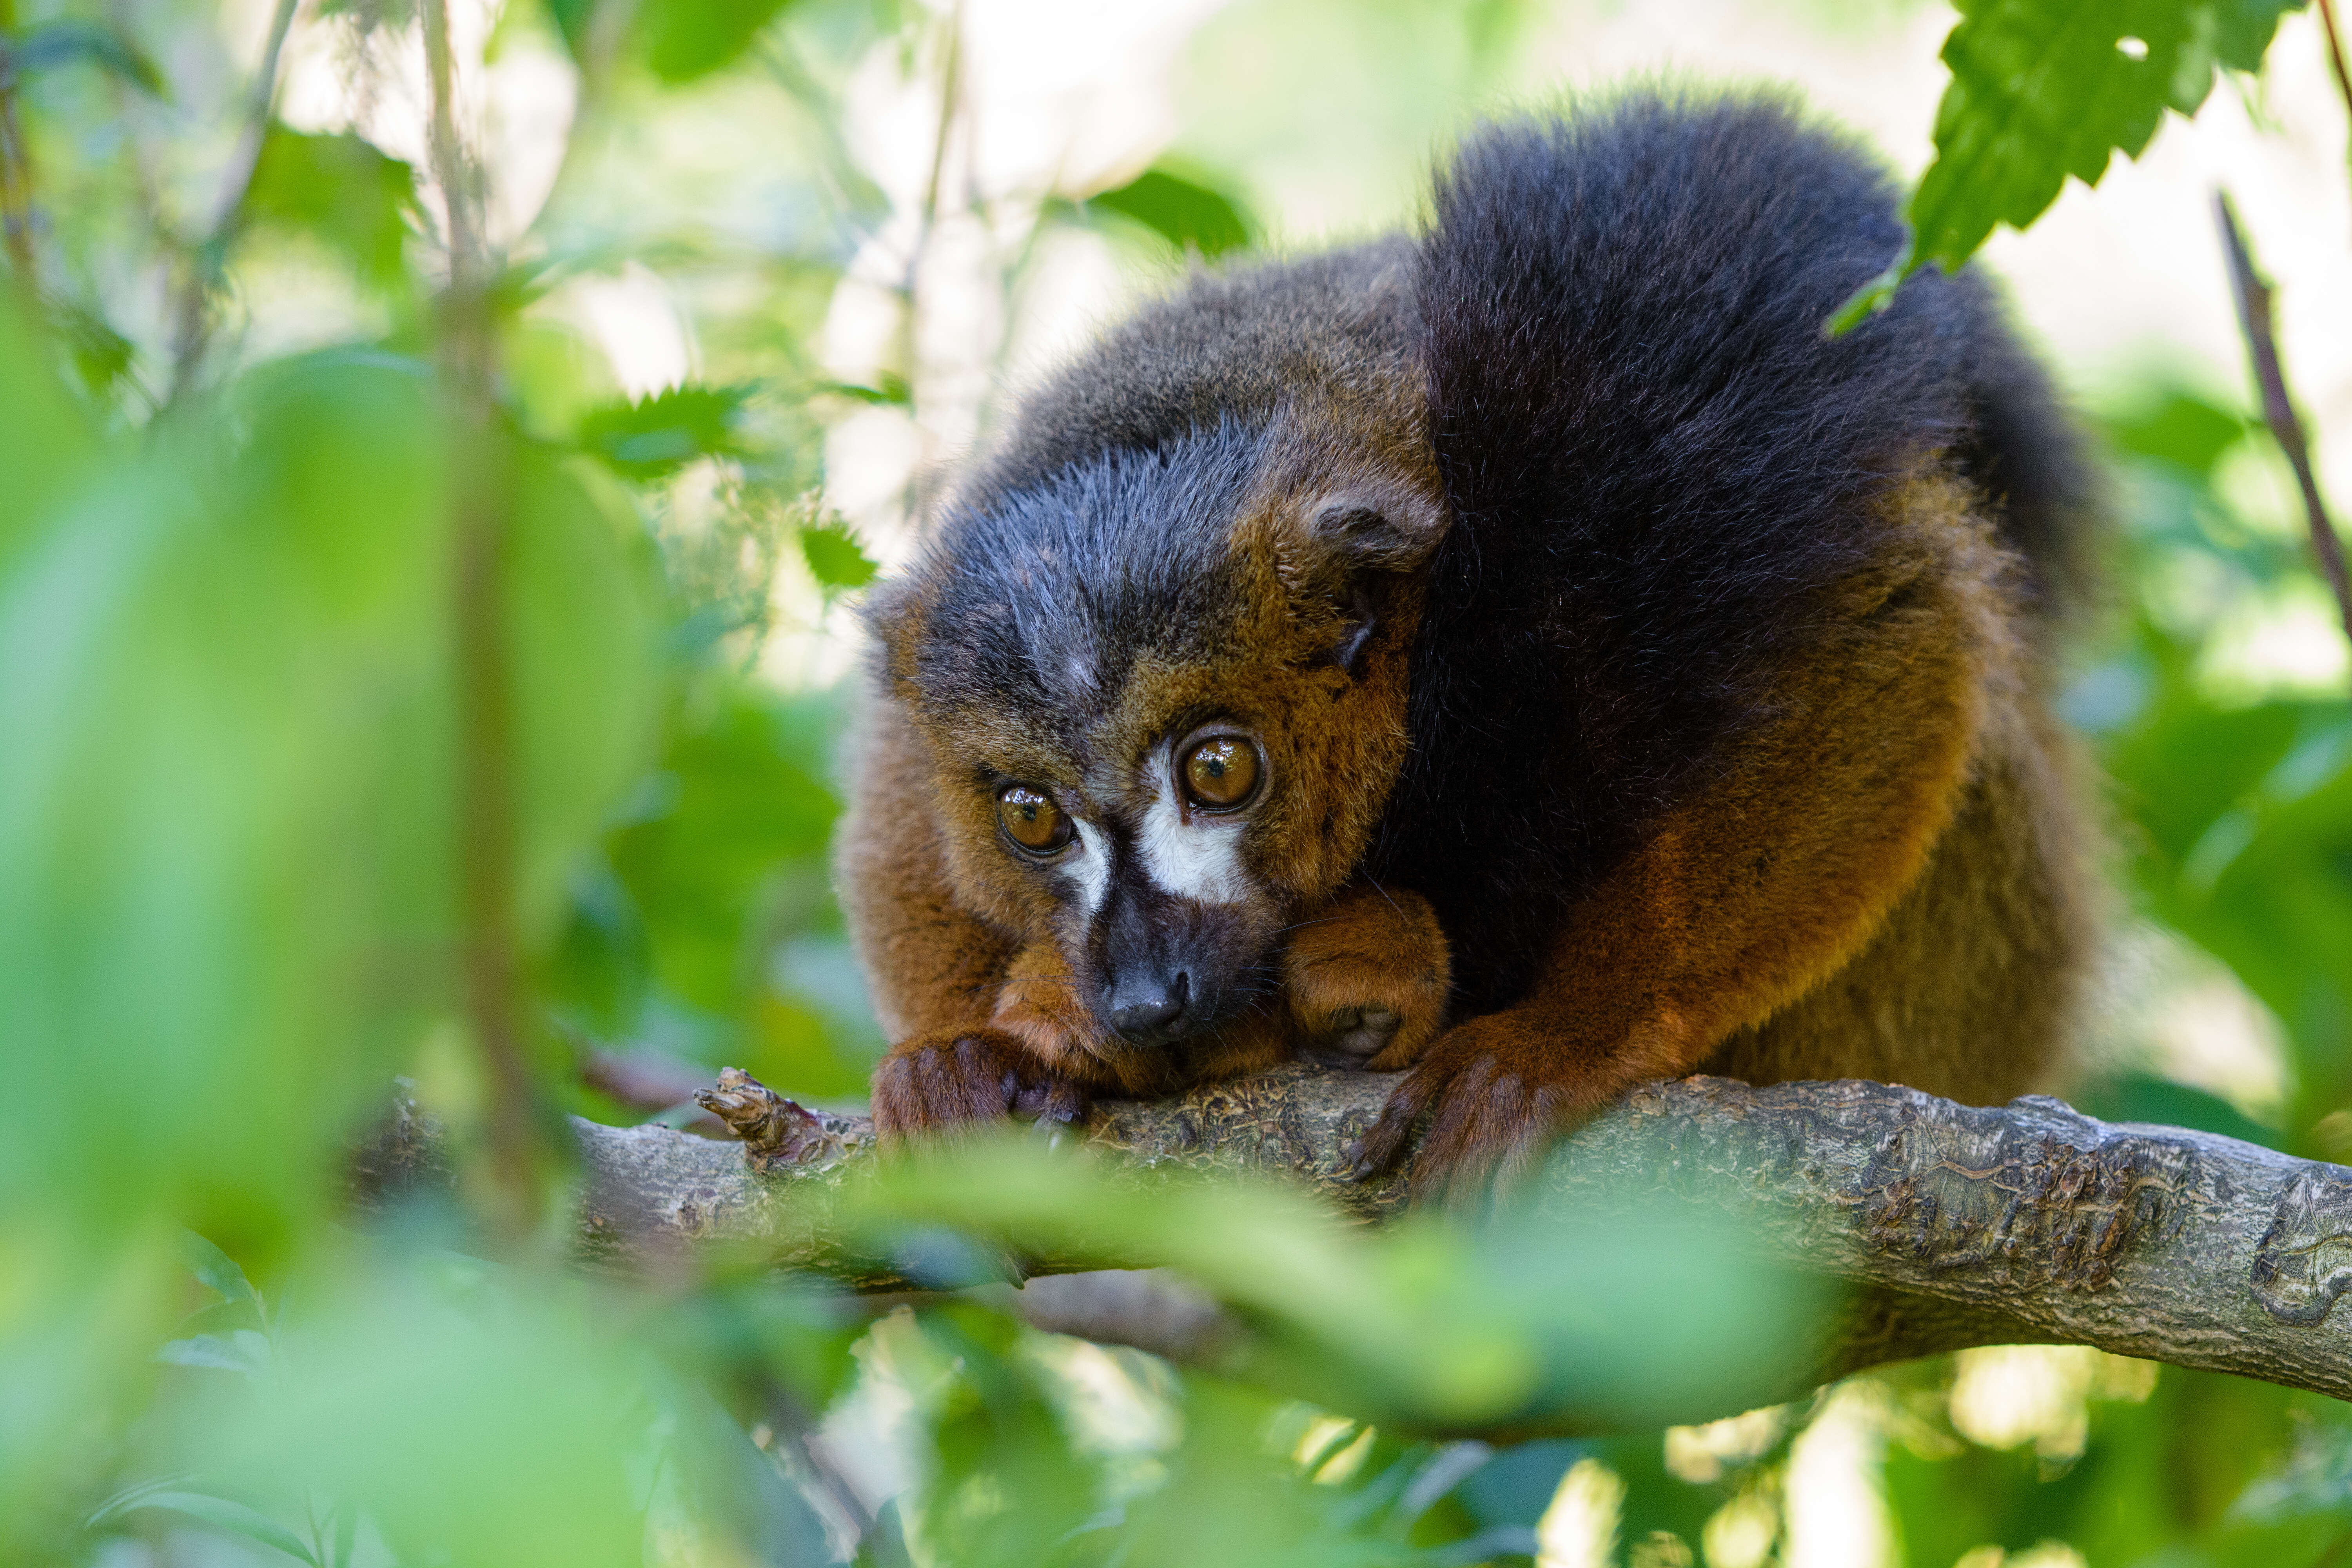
[751, 270]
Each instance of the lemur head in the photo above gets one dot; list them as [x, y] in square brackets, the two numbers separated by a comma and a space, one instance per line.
[1163, 693]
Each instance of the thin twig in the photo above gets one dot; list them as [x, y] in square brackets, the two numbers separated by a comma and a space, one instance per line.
[950, 91]
[2254, 297]
[2335, 52]
[203, 267]
[15, 165]
[486, 763]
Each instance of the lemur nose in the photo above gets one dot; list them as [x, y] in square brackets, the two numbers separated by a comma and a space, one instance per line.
[1149, 1010]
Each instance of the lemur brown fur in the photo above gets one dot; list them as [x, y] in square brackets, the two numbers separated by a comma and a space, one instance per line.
[1638, 680]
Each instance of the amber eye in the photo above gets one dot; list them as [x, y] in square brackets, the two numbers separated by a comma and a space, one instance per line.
[1035, 823]
[1221, 773]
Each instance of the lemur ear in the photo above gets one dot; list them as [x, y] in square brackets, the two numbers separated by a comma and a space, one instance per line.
[1367, 542]
[1376, 532]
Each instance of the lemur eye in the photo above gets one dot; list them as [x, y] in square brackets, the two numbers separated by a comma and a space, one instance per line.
[1033, 820]
[1221, 773]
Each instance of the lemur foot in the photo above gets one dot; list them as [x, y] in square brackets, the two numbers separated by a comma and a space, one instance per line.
[1498, 1091]
[955, 1076]
[1369, 979]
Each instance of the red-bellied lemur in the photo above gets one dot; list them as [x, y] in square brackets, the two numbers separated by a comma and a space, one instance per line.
[1529, 652]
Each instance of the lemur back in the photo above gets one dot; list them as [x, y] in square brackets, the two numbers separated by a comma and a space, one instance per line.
[1658, 681]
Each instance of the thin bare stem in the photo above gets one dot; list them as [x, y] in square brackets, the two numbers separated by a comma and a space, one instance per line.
[2254, 297]
[200, 269]
[950, 94]
[2336, 54]
[15, 165]
[486, 763]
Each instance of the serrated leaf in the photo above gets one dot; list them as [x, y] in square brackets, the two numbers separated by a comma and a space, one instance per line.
[69, 40]
[835, 557]
[219, 1512]
[1180, 209]
[654, 436]
[340, 188]
[2045, 88]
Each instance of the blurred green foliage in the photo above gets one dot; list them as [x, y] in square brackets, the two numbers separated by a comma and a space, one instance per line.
[232, 490]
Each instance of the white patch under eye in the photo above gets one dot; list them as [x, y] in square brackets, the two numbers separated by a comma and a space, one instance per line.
[1199, 858]
[1085, 866]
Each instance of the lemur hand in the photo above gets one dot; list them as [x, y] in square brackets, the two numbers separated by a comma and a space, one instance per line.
[1369, 978]
[940, 1080]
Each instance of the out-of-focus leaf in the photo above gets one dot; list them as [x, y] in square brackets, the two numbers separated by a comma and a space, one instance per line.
[1182, 209]
[1604, 1313]
[835, 557]
[46, 444]
[717, 860]
[653, 437]
[583, 588]
[219, 804]
[2138, 1097]
[2045, 88]
[1515, 1486]
[218, 1272]
[243, 1351]
[2179, 428]
[69, 39]
[684, 39]
[887, 390]
[221, 1513]
[340, 188]
[482, 1432]
[102, 355]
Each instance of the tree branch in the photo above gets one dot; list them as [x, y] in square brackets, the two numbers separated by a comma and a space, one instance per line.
[1949, 1226]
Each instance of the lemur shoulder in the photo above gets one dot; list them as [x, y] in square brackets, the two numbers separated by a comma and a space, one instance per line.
[1528, 652]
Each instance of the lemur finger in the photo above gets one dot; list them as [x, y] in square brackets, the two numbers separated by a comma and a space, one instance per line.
[1051, 1100]
[1520, 1166]
[1458, 1154]
[1383, 1144]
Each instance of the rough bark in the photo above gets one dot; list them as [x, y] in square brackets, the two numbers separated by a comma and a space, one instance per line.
[1951, 1226]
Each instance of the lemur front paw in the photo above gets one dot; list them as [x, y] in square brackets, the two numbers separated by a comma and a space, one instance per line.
[955, 1077]
[1038, 1004]
[1497, 1090]
[1369, 978]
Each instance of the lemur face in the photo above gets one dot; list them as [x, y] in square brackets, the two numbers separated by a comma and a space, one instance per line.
[1163, 695]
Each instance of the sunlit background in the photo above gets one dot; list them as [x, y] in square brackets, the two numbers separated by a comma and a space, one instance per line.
[881, 221]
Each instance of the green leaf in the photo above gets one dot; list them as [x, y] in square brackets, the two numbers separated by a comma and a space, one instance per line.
[243, 1351]
[217, 1271]
[340, 188]
[46, 444]
[651, 438]
[835, 557]
[2045, 88]
[67, 40]
[684, 39]
[2139, 1097]
[221, 1514]
[1182, 210]
[888, 390]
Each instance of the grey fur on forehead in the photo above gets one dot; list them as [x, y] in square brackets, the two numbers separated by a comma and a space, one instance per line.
[1240, 346]
[1045, 597]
